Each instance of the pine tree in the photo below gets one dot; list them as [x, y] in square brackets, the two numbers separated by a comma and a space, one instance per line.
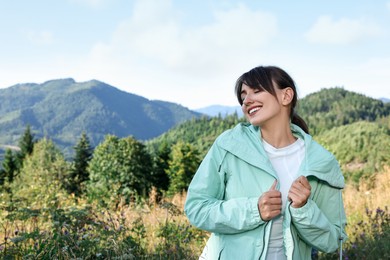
[2, 177]
[9, 166]
[79, 173]
[161, 178]
[26, 145]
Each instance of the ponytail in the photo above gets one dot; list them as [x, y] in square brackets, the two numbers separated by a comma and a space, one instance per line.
[297, 120]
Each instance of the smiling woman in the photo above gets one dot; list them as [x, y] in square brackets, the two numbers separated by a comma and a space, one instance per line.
[266, 180]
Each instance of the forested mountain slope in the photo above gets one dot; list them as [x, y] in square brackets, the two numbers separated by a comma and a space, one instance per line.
[62, 109]
[332, 107]
[361, 147]
[354, 127]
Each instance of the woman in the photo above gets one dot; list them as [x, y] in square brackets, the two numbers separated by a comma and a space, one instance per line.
[266, 189]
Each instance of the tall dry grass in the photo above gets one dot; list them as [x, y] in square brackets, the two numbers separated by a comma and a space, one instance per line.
[160, 227]
[370, 194]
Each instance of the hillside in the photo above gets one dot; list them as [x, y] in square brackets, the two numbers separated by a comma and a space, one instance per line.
[361, 147]
[62, 109]
[354, 127]
[332, 107]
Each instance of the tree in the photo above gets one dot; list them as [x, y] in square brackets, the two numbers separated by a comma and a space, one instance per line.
[182, 166]
[2, 177]
[119, 167]
[9, 166]
[79, 172]
[161, 165]
[26, 145]
[39, 183]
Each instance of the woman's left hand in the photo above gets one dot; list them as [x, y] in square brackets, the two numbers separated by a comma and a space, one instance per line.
[299, 192]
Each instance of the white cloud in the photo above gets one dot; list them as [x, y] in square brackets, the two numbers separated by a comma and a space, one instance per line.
[152, 50]
[388, 5]
[155, 33]
[343, 31]
[40, 37]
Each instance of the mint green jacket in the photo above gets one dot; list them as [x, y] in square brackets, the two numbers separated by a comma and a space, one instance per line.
[223, 195]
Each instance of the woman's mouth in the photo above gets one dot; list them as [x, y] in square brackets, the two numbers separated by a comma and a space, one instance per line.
[253, 110]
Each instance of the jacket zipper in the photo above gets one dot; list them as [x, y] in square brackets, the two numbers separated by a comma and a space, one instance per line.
[265, 228]
[289, 210]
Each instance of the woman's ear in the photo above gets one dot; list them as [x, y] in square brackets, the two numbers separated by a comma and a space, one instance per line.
[288, 95]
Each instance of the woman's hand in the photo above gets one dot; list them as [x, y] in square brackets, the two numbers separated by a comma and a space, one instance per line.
[299, 192]
[270, 203]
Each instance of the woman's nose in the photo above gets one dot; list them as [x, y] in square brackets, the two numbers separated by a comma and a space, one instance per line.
[247, 100]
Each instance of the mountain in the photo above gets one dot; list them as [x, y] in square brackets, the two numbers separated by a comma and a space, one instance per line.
[336, 106]
[62, 109]
[216, 110]
[354, 127]
[323, 111]
[385, 100]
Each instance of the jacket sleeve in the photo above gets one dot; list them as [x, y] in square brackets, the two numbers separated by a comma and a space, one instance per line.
[205, 206]
[321, 223]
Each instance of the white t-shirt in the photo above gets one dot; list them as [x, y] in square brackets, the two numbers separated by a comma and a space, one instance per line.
[286, 162]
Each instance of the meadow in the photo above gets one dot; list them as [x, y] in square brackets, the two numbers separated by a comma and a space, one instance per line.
[158, 228]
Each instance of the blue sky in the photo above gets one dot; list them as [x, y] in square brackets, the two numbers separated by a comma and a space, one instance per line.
[191, 52]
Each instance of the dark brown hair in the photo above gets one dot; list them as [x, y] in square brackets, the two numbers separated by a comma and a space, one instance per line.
[267, 78]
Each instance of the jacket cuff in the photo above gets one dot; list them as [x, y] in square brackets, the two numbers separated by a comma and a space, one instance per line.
[302, 210]
[255, 211]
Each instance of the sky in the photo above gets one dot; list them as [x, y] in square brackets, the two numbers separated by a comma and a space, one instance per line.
[191, 52]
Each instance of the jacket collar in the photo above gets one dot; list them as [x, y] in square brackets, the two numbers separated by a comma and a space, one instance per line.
[244, 141]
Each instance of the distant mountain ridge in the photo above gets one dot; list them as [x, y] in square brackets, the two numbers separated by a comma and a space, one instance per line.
[219, 110]
[385, 100]
[62, 109]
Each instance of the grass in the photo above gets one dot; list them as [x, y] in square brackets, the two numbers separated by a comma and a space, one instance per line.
[159, 229]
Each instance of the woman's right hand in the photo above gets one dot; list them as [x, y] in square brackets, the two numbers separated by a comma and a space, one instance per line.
[270, 203]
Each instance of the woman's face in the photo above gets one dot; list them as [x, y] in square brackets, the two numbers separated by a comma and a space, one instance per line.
[261, 107]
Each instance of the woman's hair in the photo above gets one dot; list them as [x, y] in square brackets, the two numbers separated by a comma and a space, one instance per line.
[267, 78]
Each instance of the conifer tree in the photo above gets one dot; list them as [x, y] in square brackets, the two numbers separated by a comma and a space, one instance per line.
[2, 177]
[161, 178]
[9, 167]
[26, 145]
[79, 172]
